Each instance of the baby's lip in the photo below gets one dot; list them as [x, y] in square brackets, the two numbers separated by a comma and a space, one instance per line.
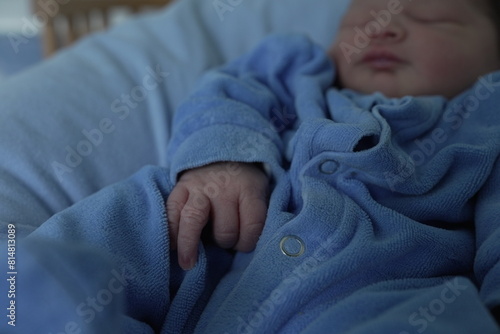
[381, 59]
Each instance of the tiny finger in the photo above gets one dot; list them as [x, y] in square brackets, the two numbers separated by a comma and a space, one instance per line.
[194, 217]
[253, 212]
[175, 202]
[225, 222]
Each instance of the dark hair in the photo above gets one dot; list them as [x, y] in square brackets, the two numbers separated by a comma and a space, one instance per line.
[493, 10]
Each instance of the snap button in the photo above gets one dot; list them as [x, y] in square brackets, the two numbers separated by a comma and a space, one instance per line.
[328, 167]
[292, 246]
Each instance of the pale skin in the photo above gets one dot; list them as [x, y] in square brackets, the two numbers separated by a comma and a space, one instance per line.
[237, 210]
[441, 47]
[430, 47]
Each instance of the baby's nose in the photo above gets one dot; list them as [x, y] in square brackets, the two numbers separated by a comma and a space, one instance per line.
[393, 32]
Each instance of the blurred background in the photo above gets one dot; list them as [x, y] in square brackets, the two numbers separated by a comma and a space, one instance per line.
[31, 30]
[12, 13]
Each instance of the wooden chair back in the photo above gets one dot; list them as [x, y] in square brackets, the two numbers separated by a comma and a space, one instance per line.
[70, 20]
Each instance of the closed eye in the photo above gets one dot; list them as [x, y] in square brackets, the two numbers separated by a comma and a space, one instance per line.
[428, 19]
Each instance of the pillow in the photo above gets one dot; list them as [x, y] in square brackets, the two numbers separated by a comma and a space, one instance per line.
[98, 111]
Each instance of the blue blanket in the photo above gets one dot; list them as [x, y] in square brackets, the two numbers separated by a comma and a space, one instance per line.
[383, 218]
[103, 266]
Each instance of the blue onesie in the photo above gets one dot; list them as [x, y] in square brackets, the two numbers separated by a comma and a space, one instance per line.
[384, 215]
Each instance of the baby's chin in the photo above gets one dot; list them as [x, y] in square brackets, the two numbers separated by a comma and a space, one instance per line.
[394, 87]
[390, 91]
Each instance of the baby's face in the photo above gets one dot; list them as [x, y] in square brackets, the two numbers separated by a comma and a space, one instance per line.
[423, 47]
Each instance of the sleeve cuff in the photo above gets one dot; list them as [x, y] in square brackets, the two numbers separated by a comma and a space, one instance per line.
[225, 143]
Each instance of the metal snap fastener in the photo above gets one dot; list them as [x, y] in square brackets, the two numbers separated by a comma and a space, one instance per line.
[292, 246]
[328, 167]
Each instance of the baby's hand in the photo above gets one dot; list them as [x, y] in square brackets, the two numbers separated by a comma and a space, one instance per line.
[233, 196]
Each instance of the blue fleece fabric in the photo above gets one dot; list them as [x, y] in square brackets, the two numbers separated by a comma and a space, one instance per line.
[383, 217]
[393, 200]
[104, 266]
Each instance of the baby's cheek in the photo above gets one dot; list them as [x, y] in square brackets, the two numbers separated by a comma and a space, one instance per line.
[439, 59]
[446, 77]
[346, 49]
[442, 62]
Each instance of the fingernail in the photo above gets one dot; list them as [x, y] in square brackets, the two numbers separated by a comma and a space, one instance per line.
[187, 264]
